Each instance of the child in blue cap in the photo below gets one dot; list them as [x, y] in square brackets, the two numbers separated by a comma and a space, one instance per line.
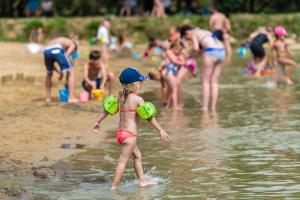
[129, 105]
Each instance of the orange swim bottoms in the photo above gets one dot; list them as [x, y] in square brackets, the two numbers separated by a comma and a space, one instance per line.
[122, 135]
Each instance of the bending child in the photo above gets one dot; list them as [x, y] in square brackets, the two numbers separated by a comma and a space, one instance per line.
[174, 61]
[130, 104]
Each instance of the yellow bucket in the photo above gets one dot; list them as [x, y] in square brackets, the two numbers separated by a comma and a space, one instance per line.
[98, 94]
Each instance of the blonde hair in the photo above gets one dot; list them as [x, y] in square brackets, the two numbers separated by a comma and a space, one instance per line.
[126, 90]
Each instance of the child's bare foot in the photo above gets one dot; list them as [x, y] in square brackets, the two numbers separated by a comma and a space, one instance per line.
[61, 76]
[113, 188]
[288, 81]
[146, 183]
[74, 100]
[204, 109]
[48, 100]
[178, 108]
[257, 75]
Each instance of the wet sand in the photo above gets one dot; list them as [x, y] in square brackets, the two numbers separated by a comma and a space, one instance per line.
[34, 133]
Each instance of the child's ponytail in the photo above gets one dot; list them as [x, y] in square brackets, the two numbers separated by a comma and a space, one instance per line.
[126, 90]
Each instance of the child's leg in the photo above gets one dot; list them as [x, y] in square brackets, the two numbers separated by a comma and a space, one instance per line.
[215, 85]
[179, 78]
[286, 61]
[48, 85]
[127, 149]
[71, 84]
[110, 82]
[171, 80]
[228, 48]
[138, 166]
[260, 65]
[207, 69]
[164, 91]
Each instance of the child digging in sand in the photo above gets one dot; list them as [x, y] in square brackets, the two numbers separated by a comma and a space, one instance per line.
[129, 104]
[282, 53]
[92, 68]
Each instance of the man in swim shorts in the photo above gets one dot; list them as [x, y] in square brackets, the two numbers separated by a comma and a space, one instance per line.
[58, 51]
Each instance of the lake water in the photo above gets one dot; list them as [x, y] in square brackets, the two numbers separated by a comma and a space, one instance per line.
[249, 149]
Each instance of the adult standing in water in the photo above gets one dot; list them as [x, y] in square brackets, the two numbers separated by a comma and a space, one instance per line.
[213, 57]
[257, 39]
[221, 27]
[58, 50]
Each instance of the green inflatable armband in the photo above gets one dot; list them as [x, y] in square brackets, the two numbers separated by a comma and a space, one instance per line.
[146, 111]
[111, 104]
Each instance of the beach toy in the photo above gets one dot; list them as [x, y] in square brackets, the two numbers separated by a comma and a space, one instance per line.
[63, 95]
[137, 56]
[111, 105]
[84, 97]
[113, 43]
[280, 31]
[146, 53]
[98, 94]
[153, 58]
[268, 71]
[34, 48]
[158, 51]
[242, 51]
[191, 64]
[146, 111]
[102, 39]
[74, 55]
[128, 45]
[92, 40]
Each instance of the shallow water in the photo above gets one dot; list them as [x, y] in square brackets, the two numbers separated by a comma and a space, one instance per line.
[249, 149]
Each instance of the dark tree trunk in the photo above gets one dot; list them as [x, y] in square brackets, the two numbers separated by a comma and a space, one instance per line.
[252, 6]
[263, 5]
[178, 6]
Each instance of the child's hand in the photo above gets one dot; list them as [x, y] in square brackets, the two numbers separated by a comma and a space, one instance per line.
[164, 136]
[96, 127]
[60, 76]
[94, 86]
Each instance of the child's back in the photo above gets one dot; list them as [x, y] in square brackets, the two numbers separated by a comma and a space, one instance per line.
[280, 47]
[128, 115]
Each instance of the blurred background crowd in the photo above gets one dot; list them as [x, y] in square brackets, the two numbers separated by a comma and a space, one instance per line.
[49, 8]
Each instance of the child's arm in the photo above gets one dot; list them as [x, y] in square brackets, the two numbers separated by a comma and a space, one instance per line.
[273, 55]
[102, 116]
[61, 75]
[289, 52]
[86, 76]
[152, 121]
[173, 58]
[70, 49]
[164, 136]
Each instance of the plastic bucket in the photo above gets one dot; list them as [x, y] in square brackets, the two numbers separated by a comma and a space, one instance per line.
[63, 95]
[98, 94]
[84, 97]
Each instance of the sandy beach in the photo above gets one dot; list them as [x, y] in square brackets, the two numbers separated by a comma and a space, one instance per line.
[34, 133]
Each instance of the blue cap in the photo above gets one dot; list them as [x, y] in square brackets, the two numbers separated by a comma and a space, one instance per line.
[131, 75]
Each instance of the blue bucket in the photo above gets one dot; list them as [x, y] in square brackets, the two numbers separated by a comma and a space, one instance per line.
[63, 95]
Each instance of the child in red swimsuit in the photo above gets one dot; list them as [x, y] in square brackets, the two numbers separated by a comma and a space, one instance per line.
[129, 101]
